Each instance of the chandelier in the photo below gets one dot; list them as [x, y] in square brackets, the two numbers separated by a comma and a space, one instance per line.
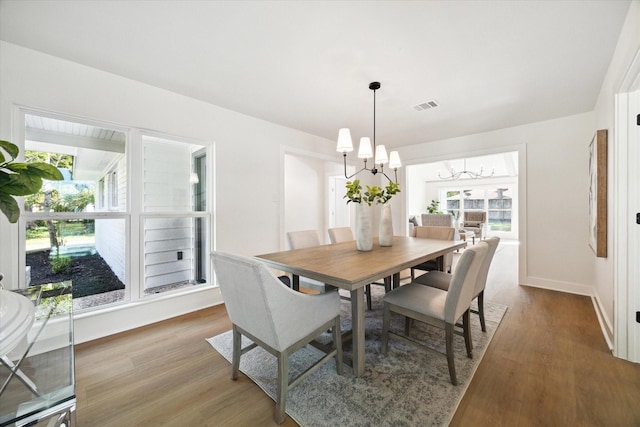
[365, 152]
[471, 174]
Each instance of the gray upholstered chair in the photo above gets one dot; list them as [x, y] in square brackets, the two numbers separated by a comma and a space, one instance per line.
[436, 220]
[306, 239]
[276, 318]
[475, 221]
[344, 234]
[437, 307]
[441, 280]
[340, 234]
[440, 233]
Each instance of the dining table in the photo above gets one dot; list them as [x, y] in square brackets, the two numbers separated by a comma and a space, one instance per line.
[343, 266]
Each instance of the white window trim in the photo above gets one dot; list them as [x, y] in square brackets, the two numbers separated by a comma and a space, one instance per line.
[134, 291]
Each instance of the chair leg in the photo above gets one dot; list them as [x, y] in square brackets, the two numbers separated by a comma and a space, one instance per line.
[448, 328]
[481, 311]
[386, 322]
[337, 339]
[283, 383]
[408, 323]
[367, 292]
[466, 330]
[235, 359]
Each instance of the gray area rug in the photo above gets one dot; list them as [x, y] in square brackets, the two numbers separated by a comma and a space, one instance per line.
[409, 387]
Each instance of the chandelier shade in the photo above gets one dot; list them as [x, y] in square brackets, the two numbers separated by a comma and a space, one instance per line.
[381, 155]
[344, 141]
[365, 151]
[394, 160]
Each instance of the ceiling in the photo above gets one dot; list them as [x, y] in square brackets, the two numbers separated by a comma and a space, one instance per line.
[307, 65]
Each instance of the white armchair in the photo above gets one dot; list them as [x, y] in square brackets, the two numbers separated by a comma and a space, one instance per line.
[475, 221]
[275, 317]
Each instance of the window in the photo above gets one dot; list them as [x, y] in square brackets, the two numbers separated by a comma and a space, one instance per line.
[500, 206]
[175, 223]
[112, 195]
[497, 201]
[83, 228]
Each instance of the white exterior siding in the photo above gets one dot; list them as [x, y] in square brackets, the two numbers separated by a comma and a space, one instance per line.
[166, 177]
[110, 243]
[111, 234]
[164, 238]
[167, 167]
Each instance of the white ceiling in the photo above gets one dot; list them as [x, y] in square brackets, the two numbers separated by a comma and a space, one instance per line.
[307, 64]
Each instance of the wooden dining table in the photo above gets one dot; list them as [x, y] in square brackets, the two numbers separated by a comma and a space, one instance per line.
[343, 266]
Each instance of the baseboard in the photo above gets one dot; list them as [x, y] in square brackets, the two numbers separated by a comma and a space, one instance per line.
[556, 285]
[100, 323]
[605, 324]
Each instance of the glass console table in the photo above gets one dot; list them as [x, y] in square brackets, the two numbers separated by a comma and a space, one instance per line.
[37, 382]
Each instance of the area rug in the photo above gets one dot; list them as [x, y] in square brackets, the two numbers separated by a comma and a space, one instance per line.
[408, 387]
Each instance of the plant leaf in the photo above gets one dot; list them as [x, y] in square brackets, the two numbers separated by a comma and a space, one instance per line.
[45, 170]
[10, 148]
[17, 167]
[9, 208]
[22, 184]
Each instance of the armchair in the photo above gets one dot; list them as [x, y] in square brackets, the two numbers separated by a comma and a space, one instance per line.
[275, 317]
[475, 221]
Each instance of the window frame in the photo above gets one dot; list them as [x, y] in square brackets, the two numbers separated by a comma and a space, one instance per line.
[485, 187]
[133, 214]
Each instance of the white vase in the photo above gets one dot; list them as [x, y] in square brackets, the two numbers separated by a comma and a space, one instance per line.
[385, 232]
[364, 238]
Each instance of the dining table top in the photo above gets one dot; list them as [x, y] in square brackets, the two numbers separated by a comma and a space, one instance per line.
[343, 266]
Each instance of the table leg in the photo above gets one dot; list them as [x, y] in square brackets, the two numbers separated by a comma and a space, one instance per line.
[357, 328]
[396, 280]
[295, 284]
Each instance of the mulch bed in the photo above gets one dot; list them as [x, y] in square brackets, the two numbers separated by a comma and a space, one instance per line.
[89, 274]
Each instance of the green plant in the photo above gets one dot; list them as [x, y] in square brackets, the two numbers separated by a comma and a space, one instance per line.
[60, 263]
[20, 179]
[373, 194]
[434, 207]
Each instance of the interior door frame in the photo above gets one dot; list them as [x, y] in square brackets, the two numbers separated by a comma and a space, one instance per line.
[521, 150]
[626, 339]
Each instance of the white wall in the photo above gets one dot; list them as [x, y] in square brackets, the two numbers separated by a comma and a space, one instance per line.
[247, 160]
[303, 196]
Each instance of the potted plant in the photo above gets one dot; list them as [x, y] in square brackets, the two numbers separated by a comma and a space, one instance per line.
[434, 207]
[364, 200]
[20, 179]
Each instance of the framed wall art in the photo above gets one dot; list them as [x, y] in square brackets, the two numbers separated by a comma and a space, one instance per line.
[598, 193]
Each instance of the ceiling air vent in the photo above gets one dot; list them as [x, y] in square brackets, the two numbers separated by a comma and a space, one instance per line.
[427, 105]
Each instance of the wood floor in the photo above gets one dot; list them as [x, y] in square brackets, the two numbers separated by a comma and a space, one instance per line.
[547, 365]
